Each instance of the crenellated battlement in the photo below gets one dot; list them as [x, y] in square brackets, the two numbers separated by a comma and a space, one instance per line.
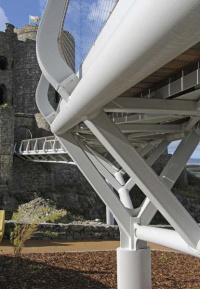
[26, 32]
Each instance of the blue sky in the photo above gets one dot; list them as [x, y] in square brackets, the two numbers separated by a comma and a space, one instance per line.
[173, 146]
[85, 19]
[17, 12]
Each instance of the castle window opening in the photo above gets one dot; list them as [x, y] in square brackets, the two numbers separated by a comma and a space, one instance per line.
[2, 94]
[3, 63]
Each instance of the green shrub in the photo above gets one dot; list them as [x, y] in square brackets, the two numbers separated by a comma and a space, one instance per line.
[20, 235]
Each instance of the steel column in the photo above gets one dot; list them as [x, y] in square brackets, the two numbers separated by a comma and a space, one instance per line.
[133, 269]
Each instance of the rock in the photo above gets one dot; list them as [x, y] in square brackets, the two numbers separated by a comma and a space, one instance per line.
[41, 122]
[97, 220]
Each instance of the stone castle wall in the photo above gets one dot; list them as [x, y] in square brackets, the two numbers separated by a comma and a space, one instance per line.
[26, 76]
[26, 32]
[61, 183]
[21, 181]
[6, 151]
[6, 76]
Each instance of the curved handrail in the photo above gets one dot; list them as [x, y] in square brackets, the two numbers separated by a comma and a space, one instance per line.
[52, 64]
[42, 100]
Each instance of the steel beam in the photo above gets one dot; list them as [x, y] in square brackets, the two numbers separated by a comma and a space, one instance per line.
[106, 163]
[146, 118]
[164, 237]
[103, 171]
[155, 128]
[153, 106]
[150, 160]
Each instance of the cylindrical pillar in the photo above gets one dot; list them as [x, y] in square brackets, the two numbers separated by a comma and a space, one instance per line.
[133, 268]
[125, 198]
[123, 193]
[109, 217]
[119, 177]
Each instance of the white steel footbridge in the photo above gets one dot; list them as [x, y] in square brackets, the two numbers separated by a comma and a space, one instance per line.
[137, 90]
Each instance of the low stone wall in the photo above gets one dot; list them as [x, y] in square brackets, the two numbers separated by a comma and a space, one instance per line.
[74, 232]
[70, 232]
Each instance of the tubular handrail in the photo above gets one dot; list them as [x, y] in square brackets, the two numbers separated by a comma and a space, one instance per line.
[52, 64]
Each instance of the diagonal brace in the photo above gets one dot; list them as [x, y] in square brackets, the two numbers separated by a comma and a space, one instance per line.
[158, 193]
[122, 215]
[171, 172]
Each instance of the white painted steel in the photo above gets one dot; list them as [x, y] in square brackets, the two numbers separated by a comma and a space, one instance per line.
[150, 45]
[146, 118]
[121, 214]
[41, 145]
[123, 192]
[150, 128]
[106, 163]
[42, 100]
[171, 172]
[158, 193]
[109, 217]
[183, 83]
[146, 149]
[165, 237]
[134, 269]
[46, 149]
[153, 106]
[52, 64]
[115, 17]
[111, 180]
[150, 160]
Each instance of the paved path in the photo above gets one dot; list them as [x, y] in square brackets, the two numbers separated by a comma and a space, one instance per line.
[64, 246]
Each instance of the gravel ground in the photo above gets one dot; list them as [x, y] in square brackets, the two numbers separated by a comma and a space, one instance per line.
[95, 270]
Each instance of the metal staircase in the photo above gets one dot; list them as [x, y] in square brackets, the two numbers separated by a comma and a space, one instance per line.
[47, 149]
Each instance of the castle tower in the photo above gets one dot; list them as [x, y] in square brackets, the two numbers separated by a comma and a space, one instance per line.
[6, 65]
[26, 32]
[26, 72]
[6, 111]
